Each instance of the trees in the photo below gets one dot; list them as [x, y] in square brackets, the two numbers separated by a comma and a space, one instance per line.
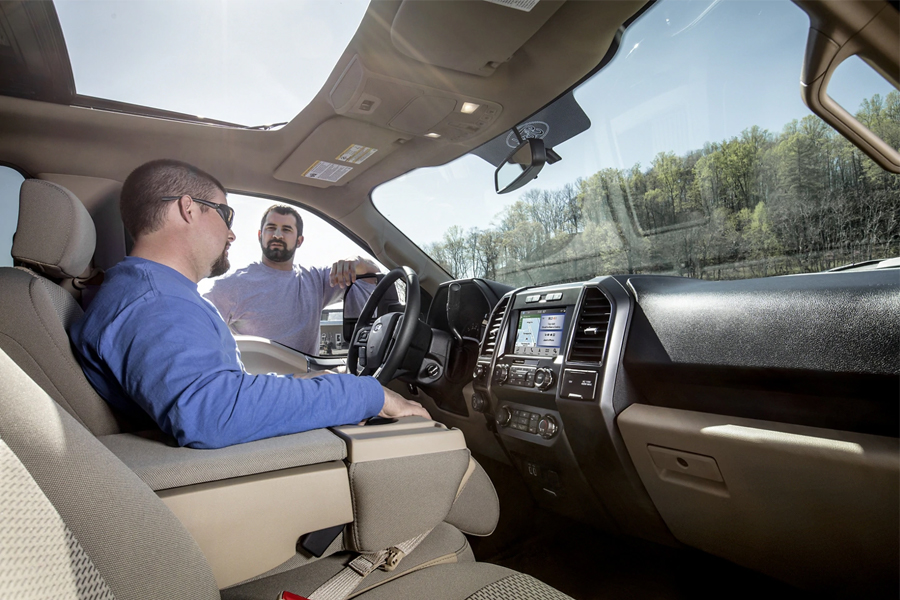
[756, 204]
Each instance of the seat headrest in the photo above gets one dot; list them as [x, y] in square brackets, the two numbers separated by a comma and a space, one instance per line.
[55, 234]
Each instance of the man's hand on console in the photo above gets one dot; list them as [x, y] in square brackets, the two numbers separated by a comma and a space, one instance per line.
[396, 405]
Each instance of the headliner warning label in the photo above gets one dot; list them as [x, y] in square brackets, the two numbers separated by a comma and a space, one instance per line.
[356, 154]
[326, 171]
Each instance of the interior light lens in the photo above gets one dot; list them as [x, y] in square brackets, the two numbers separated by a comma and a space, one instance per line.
[433, 135]
[469, 107]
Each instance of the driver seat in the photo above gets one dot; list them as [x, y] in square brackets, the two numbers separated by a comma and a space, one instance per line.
[77, 523]
[53, 246]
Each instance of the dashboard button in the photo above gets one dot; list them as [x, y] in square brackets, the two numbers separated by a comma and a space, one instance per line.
[503, 416]
[543, 378]
[547, 427]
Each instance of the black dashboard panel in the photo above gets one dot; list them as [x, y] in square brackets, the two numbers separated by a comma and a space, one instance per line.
[821, 350]
[837, 322]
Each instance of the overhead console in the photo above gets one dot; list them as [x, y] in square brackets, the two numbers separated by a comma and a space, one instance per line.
[407, 107]
[477, 40]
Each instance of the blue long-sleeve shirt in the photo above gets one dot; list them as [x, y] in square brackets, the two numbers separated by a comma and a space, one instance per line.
[150, 342]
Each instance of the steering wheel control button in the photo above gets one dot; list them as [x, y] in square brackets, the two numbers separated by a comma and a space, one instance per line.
[478, 403]
[363, 336]
[547, 427]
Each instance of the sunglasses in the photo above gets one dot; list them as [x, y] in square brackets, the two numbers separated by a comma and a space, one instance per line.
[225, 211]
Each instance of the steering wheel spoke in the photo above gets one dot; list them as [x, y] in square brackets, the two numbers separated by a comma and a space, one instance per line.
[358, 343]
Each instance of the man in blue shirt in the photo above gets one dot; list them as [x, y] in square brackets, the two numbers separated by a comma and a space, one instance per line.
[150, 343]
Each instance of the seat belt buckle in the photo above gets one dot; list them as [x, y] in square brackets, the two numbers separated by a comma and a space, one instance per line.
[290, 596]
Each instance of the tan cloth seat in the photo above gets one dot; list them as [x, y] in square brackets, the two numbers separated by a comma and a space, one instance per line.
[77, 523]
[54, 242]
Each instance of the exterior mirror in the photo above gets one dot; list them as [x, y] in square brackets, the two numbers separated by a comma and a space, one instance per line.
[521, 166]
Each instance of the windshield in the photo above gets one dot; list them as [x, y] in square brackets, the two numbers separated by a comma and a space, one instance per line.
[701, 161]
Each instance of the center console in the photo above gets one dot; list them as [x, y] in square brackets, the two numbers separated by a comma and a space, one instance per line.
[544, 350]
[527, 360]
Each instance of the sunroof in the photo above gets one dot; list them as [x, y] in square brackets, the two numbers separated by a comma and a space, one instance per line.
[251, 62]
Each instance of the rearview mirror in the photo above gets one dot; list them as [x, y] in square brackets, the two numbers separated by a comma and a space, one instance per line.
[521, 166]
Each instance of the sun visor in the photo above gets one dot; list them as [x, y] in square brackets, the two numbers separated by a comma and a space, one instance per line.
[337, 152]
[556, 123]
[472, 37]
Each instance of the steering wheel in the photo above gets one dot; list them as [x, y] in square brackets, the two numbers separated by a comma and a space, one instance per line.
[380, 347]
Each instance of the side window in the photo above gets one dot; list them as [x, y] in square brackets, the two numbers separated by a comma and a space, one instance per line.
[10, 182]
[261, 311]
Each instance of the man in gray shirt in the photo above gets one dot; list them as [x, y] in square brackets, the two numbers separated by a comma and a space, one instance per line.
[281, 301]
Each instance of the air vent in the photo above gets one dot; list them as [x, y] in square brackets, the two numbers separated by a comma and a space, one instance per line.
[493, 329]
[589, 341]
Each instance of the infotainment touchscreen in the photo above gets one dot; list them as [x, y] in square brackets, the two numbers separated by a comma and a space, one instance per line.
[540, 332]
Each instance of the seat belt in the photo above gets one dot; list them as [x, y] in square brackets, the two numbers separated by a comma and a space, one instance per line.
[340, 586]
[348, 579]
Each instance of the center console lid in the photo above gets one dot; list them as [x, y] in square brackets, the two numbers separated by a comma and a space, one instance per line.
[162, 465]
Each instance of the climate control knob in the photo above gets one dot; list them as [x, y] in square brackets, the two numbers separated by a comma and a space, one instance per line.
[503, 416]
[501, 372]
[547, 427]
[543, 378]
[479, 372]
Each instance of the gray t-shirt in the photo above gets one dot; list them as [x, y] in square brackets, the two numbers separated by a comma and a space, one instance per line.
[285, 306]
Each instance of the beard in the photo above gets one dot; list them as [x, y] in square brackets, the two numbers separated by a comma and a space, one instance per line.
[221, 266]
[277, 253]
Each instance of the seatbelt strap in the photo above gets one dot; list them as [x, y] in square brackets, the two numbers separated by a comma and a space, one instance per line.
[348, 579]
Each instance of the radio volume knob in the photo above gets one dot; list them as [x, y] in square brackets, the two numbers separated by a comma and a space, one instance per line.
[501, 372]
[503, 416]
[543, 378]
[479, 372]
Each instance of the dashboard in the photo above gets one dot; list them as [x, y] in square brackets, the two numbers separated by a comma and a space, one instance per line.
[710, 414]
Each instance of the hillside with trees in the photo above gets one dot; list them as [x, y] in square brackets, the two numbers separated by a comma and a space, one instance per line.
[758, 204]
